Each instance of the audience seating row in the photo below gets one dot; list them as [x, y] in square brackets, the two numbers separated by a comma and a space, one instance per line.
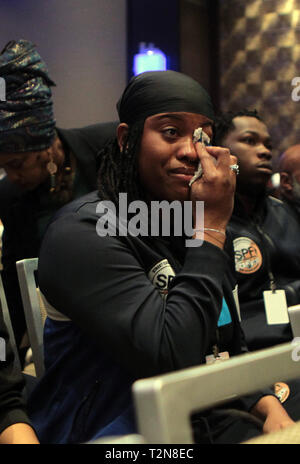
[161, 418]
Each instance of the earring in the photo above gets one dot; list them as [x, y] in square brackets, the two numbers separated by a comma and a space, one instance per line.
[124, 149]
[52, 169]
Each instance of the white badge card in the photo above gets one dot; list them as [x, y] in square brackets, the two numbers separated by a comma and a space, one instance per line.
[276, 307]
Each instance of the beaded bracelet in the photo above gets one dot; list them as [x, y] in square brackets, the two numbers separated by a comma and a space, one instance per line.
[213, 230]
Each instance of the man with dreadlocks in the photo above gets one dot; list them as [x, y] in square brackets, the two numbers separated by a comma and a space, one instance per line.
[265, 238]
[110, 319]
[46, 166]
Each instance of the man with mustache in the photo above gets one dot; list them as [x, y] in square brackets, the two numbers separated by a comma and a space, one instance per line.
[265, 234]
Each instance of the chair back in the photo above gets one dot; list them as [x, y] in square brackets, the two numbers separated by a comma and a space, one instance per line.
[33, 312]
[294, 315]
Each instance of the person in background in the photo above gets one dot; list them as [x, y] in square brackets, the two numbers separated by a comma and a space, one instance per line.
[15, 425]
[122, 306]
[46, 167]
[289, 168]
[265, 234]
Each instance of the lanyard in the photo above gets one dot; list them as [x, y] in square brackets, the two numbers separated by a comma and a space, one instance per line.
[215, 347]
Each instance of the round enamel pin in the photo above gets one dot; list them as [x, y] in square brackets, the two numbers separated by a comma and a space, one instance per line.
[282, 391]
[248, 258]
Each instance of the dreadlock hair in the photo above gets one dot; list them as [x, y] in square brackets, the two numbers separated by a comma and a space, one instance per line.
[118, 169]
[223, 123]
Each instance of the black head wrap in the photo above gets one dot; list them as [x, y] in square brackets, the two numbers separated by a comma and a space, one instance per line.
[26, 116]
[157, 92]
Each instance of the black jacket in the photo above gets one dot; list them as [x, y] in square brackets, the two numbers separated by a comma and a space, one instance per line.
[20, 212]
[125, 308]
[269, 241]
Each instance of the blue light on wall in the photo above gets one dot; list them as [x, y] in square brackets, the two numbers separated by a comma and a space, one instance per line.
[149, 58]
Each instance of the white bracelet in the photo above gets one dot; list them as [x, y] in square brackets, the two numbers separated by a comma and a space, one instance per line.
[213, 230]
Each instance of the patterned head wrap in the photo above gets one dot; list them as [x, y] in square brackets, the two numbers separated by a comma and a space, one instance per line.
[157, 92]
[26, 116]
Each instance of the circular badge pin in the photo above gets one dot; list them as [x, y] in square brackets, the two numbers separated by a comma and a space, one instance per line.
[161, 275]
[282, 391]
[247, 255]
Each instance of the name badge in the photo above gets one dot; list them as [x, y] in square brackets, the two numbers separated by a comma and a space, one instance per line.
[276, 307]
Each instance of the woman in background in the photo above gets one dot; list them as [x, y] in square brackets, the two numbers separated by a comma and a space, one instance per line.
[46, 166]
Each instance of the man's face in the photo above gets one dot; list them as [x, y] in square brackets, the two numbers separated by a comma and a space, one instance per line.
[168, 159]
[250, 142]
[27, 170]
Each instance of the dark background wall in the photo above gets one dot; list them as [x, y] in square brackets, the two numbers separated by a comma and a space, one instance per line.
[185, 30]
[89, 46]
[199, 43]
[259, 57]
[244, 52]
